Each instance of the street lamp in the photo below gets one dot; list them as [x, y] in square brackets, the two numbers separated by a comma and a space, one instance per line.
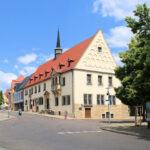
[108, 105]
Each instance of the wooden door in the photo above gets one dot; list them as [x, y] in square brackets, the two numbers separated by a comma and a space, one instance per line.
[87, 112]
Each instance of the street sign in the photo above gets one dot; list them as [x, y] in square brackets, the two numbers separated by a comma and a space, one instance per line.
[108, 100]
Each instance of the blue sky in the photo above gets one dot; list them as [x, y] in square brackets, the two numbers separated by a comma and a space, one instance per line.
[28, 30]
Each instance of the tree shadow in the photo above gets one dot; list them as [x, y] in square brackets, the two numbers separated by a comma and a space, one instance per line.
[142, 132]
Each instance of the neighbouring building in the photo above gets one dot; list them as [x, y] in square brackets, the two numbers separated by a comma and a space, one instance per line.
[7, 94]
[77, 81]
[5, 98]
[12, 90]
[19, 94]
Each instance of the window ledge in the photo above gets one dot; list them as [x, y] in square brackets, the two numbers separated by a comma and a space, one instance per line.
[89, 83]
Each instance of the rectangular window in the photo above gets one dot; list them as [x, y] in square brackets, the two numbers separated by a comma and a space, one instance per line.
[107, 114]
[112, 115]
[110, 98]
[110, 81]
[99, 80]
[98, 99]
[41, 101]
[90, 99]
[56, 101]
[26, 92]
[22, 95]
[114, 100]
[63, 81]
[99, 49]
[35, 90]
[103, 115]
[26, 102]
[102, 100]
[30, 105]
[63, 100]
[89, 82]
[53, 81]
[68, 100]
[39, 89]
[87, 99]
[44, 87]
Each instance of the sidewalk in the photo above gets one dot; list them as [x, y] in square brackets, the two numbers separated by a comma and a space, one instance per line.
[129, 129]
[50, 116]
[4, 116]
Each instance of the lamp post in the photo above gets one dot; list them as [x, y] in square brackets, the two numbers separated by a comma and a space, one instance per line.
[108, 105]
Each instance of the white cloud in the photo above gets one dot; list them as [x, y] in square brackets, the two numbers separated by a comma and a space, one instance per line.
[27, 58]
[5, 80]
[16, 67]
[5, 61]
[117, 8]
[27, 70]
[47, 58]
[119, 36]
[117, 59]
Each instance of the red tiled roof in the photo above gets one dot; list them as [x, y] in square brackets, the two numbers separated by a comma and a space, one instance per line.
[7, 91]
[18, 80]
[73, 54]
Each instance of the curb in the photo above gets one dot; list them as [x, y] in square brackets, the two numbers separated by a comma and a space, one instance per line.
[123, 132]
[44, 115]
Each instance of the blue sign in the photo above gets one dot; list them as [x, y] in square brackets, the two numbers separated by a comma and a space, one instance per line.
[108, 100]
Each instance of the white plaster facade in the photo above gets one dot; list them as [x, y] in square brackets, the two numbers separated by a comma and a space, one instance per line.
[95, 63]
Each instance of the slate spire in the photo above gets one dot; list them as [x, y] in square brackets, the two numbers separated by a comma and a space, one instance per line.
[58, 40]
[58, 49]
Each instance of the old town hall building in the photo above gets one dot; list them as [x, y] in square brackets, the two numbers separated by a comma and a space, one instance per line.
[76, 81]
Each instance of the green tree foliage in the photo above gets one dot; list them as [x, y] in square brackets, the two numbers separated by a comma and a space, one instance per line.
[135, 73]
[1, 97]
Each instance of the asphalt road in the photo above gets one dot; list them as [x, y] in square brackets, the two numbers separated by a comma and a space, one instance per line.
[32, 132]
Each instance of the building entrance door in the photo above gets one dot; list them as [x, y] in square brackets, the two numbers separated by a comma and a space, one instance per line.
[47, 104]
[87, 112]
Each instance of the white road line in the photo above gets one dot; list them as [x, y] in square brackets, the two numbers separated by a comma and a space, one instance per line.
[78, 132]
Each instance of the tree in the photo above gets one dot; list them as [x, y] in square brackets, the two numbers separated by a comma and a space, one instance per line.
[1, 97]
[135, 73]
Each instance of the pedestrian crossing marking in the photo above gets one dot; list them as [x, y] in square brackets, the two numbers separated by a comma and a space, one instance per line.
[78, 132]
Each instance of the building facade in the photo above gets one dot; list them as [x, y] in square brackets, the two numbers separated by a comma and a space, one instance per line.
[77, 81]
[19, 94]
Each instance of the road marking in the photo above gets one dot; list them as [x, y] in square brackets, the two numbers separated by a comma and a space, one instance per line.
[78, 132]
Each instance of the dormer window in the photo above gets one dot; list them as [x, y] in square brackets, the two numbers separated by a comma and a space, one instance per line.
[99, 49]
[46, 72]
[35, 78]
[40, 75]
[61, 65]
[31, 80]
[70, 61]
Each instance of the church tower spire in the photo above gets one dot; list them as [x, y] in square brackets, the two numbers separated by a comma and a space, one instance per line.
[58, 40]
[58, 49]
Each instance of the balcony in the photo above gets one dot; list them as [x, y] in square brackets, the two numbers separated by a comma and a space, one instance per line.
[56, 89]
